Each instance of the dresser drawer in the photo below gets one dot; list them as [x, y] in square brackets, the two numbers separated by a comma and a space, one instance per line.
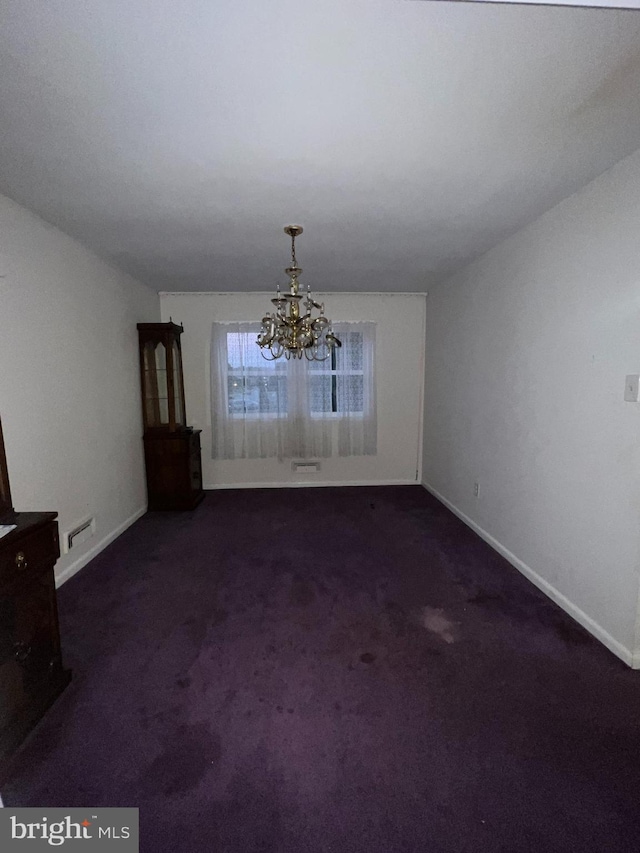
[30, 552]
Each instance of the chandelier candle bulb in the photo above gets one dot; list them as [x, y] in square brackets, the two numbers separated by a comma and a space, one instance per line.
[288, 332]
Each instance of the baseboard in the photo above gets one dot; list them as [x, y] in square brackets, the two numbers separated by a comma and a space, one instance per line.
[625, 654]
[82, 561]
[307, 484]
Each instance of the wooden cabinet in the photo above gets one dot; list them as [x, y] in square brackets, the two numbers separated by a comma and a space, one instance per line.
[171, 448]
[174, 472]
[31, 671]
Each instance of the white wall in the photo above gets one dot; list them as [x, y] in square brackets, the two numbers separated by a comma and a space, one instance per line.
[527, 352]
[69, 383]
[399, 360]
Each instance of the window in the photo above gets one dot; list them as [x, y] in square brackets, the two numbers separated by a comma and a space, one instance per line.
[292, 409]
[336, 385]
[254, 386]
[259, 387]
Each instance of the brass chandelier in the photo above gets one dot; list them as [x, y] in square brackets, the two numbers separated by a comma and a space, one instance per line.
[288, 331]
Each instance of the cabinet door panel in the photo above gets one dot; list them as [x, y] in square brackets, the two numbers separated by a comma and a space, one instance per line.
[195, 464]
[28, 649]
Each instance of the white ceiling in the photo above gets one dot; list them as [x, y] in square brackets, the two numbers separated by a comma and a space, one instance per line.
[177, 138]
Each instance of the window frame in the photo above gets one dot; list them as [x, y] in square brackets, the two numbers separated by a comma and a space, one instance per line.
[257, 414]
[332, 373]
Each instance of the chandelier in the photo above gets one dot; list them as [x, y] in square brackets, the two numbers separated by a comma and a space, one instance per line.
[288, 331]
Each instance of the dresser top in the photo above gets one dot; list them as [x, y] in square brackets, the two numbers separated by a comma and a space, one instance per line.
[26, 522]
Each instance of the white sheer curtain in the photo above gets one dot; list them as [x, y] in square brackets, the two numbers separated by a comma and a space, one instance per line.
[292, 409]
[357, 415]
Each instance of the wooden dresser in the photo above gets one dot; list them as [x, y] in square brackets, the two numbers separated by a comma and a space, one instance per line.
[31, 672]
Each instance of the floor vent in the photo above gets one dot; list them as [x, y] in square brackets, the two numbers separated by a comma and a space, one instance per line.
[79, 534]
[305, 467]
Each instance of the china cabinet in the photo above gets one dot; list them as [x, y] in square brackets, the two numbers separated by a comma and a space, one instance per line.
[171, 448]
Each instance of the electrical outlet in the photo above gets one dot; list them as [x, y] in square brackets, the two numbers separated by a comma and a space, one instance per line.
[631, 387]
[476, 489]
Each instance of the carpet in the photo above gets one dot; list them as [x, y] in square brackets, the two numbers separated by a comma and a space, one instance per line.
[333, 669]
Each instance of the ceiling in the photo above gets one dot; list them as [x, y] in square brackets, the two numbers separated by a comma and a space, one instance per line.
[177, 139]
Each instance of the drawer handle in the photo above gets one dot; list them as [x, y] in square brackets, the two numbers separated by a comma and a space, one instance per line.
[21, 652]
[21, 560]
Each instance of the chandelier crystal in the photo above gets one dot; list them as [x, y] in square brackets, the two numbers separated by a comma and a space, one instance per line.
[289, 332]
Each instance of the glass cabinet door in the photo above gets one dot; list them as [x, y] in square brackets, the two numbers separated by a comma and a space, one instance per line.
[161, 374]
[178, 390]
[156, 388]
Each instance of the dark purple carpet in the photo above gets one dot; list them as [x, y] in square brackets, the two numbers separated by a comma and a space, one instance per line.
[299, 671]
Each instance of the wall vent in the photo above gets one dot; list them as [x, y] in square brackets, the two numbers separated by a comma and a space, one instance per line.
[305, 467]
[80, 533]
